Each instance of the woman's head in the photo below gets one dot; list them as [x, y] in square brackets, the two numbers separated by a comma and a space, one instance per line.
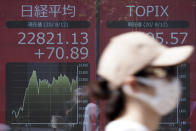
[134, 65]
[131, 52]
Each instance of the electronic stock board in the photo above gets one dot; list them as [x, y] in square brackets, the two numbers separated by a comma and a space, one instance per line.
[171, 22]
[48, 53]
[49, 49]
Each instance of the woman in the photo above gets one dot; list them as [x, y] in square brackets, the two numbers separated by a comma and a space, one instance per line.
[138, 81]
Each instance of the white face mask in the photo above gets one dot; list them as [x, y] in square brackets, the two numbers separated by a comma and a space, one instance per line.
[166, 97]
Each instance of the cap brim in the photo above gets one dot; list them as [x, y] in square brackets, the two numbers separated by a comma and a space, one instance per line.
[173, 56]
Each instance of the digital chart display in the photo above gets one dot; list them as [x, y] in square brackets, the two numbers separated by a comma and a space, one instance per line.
[38, 93]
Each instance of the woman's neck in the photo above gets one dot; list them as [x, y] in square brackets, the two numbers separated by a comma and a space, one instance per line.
[138, 111]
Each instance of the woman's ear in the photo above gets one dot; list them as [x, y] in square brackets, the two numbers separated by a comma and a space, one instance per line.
[132, 83]
[137, 87]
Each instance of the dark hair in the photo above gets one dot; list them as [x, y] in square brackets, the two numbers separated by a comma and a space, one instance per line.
[115, 99]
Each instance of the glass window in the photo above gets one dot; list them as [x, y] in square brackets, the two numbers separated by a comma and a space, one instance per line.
[49, 52]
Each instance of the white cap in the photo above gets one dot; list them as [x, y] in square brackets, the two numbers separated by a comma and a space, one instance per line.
[130, 52]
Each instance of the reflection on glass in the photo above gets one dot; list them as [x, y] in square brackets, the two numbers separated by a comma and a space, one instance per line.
[4, 127]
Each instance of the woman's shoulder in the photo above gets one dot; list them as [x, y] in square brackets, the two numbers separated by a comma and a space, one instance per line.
[125, 125]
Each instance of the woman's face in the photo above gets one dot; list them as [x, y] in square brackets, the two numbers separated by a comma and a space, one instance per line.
[165, 73]
[140, 87]
[156, 89]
